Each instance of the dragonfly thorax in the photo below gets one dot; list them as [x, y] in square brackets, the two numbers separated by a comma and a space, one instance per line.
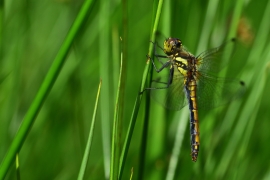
[185, 63]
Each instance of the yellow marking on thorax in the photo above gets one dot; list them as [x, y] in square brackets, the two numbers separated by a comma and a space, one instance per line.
[180, 62]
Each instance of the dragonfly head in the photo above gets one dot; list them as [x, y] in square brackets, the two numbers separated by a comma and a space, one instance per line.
[172, 45]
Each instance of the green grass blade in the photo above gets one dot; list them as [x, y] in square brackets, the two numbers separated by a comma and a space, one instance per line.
[153, 39]
[116, 140]
[179, 136]
[208, 24]
[18, 167]
[131, 174]
[145, 128]
[104, 56]
[128, 137]
[90, 138]
[235, 18]
[139, 97]
[261, 39]
[44, 89]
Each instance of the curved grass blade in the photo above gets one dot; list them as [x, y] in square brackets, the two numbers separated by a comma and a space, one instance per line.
[208, 23]
[90, 137]
[45, 88]
[179, 136]
[139, 97]
[116, 140]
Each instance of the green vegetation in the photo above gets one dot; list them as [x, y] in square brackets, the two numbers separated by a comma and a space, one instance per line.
[34, 41]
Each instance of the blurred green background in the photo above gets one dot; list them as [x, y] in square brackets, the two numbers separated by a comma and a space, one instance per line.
[234, 138]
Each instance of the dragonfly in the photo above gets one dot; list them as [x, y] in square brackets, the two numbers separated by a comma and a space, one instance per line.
[193, 81]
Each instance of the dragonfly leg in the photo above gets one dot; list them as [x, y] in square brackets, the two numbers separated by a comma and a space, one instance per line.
[168, 83]
[158, 55]
[164, 65]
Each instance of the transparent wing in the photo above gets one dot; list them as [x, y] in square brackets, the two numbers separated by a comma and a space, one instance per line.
[211, 60]
[173, 97]
[214, 91]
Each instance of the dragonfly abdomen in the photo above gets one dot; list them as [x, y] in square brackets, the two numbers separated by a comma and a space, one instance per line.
[194, 119]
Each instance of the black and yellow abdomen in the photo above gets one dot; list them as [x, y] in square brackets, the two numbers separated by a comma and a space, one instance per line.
[194, 118]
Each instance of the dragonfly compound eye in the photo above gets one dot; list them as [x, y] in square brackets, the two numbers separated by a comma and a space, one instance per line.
[178, 43]
[172, 45]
